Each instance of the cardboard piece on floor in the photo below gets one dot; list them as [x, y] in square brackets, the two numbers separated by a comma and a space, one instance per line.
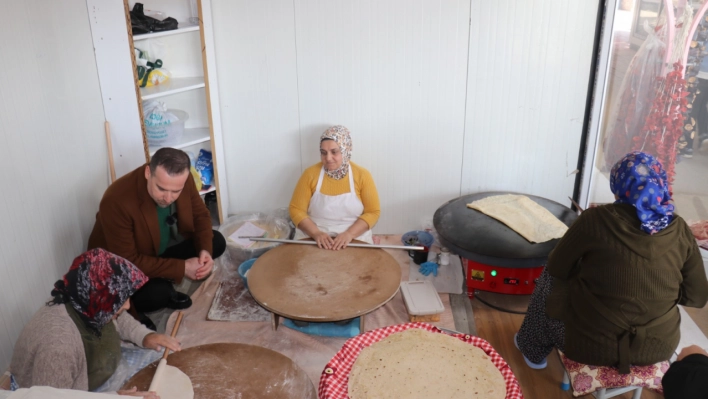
[233, 302]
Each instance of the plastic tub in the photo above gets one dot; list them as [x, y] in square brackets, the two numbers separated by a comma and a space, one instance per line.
[418, 237]
[166, 134]
[275, 224]
[244, 268]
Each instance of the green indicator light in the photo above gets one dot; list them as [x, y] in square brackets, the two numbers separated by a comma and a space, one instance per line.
[494, 273]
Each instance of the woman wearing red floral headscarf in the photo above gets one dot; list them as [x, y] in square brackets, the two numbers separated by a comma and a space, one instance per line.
[74, 341]
[335, 200]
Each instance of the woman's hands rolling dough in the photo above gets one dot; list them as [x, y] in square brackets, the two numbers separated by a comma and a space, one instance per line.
[324, 240]
[134, 392]
[160, 341]
[341, 240]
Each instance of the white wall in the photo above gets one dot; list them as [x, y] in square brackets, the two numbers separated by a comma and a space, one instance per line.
[54, 152]
[529, 63]
[394, 73]
[443, 98]
[256, 66]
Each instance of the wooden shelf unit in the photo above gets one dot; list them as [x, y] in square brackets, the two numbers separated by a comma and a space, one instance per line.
[186, 55]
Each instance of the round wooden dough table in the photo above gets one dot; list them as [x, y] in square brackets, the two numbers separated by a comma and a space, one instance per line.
[227, 370]
[304, 282]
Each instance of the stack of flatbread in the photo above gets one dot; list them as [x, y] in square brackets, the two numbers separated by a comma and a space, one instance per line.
[532, 221]
[419, 364]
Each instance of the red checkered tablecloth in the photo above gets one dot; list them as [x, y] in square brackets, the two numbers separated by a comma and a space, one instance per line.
[335, 376]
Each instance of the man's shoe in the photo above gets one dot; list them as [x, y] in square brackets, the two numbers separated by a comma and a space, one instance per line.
[144, 320]
[179, 300]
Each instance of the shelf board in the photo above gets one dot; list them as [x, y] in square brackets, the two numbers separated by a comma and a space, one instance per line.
[211, 189]
[187, 28]
[189, 137]
[174, 86]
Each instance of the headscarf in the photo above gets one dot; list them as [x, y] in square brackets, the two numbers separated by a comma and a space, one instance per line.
[97, 284]
[340, 135]
[638, 179]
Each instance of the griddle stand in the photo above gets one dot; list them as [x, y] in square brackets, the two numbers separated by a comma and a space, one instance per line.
[495, 257]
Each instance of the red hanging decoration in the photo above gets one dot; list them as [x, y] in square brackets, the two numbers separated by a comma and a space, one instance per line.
[664, 125]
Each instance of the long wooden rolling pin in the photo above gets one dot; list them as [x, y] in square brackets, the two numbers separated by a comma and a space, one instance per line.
[308, 242]
[163, 362]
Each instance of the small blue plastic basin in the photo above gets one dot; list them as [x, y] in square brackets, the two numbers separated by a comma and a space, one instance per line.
[423, 237]
[244, 267]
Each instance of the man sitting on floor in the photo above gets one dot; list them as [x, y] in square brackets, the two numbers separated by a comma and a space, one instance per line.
[155, 218]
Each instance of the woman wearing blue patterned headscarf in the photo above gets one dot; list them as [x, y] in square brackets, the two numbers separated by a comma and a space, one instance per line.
[639, 180]
[610, 290]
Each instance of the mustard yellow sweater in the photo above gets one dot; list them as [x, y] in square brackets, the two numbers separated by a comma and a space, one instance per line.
[363, 186]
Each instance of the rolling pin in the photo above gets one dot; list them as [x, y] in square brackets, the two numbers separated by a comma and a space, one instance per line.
[163, 362]
[307, 242]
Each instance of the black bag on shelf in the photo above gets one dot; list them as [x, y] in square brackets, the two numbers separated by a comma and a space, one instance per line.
[141, 23]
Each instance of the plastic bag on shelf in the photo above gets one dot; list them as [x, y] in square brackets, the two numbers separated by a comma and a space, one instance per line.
[197, 178]
[156, 77]
[156, 114]
[163, 127]
[141, 23]
[205, 167]
[277, 224]
[150, 73]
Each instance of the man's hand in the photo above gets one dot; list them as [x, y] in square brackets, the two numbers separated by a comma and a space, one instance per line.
[159, 342]
[691, 350]
[134, 392]
[323, 240]
[191, 266]
[341, 240]
[206, 264]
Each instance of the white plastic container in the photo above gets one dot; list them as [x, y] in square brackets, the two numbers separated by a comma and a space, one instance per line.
[167, 134]
[421, 298]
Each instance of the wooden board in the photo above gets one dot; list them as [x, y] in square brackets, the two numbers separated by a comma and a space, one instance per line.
[304, 282]
[227, 370]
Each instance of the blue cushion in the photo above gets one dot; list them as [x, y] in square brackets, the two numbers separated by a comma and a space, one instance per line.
[348, 330]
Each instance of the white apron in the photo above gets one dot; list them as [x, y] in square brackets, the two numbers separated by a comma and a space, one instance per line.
[334, 214]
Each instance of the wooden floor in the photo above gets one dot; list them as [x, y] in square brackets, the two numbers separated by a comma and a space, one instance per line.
[499, 328]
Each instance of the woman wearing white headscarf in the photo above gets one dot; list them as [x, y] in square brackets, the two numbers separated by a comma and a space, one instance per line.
[335, 200]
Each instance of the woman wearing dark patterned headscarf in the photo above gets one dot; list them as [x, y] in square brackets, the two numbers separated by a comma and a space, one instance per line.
[610, 291]
[335, 200]
[74, 341]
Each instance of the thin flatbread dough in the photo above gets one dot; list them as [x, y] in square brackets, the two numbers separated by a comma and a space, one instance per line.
[419, 364]
[532, 221]
[171, 383]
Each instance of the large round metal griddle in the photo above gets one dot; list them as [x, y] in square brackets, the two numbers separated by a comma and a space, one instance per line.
[227, 370]
[483, 239]
[304, 282]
